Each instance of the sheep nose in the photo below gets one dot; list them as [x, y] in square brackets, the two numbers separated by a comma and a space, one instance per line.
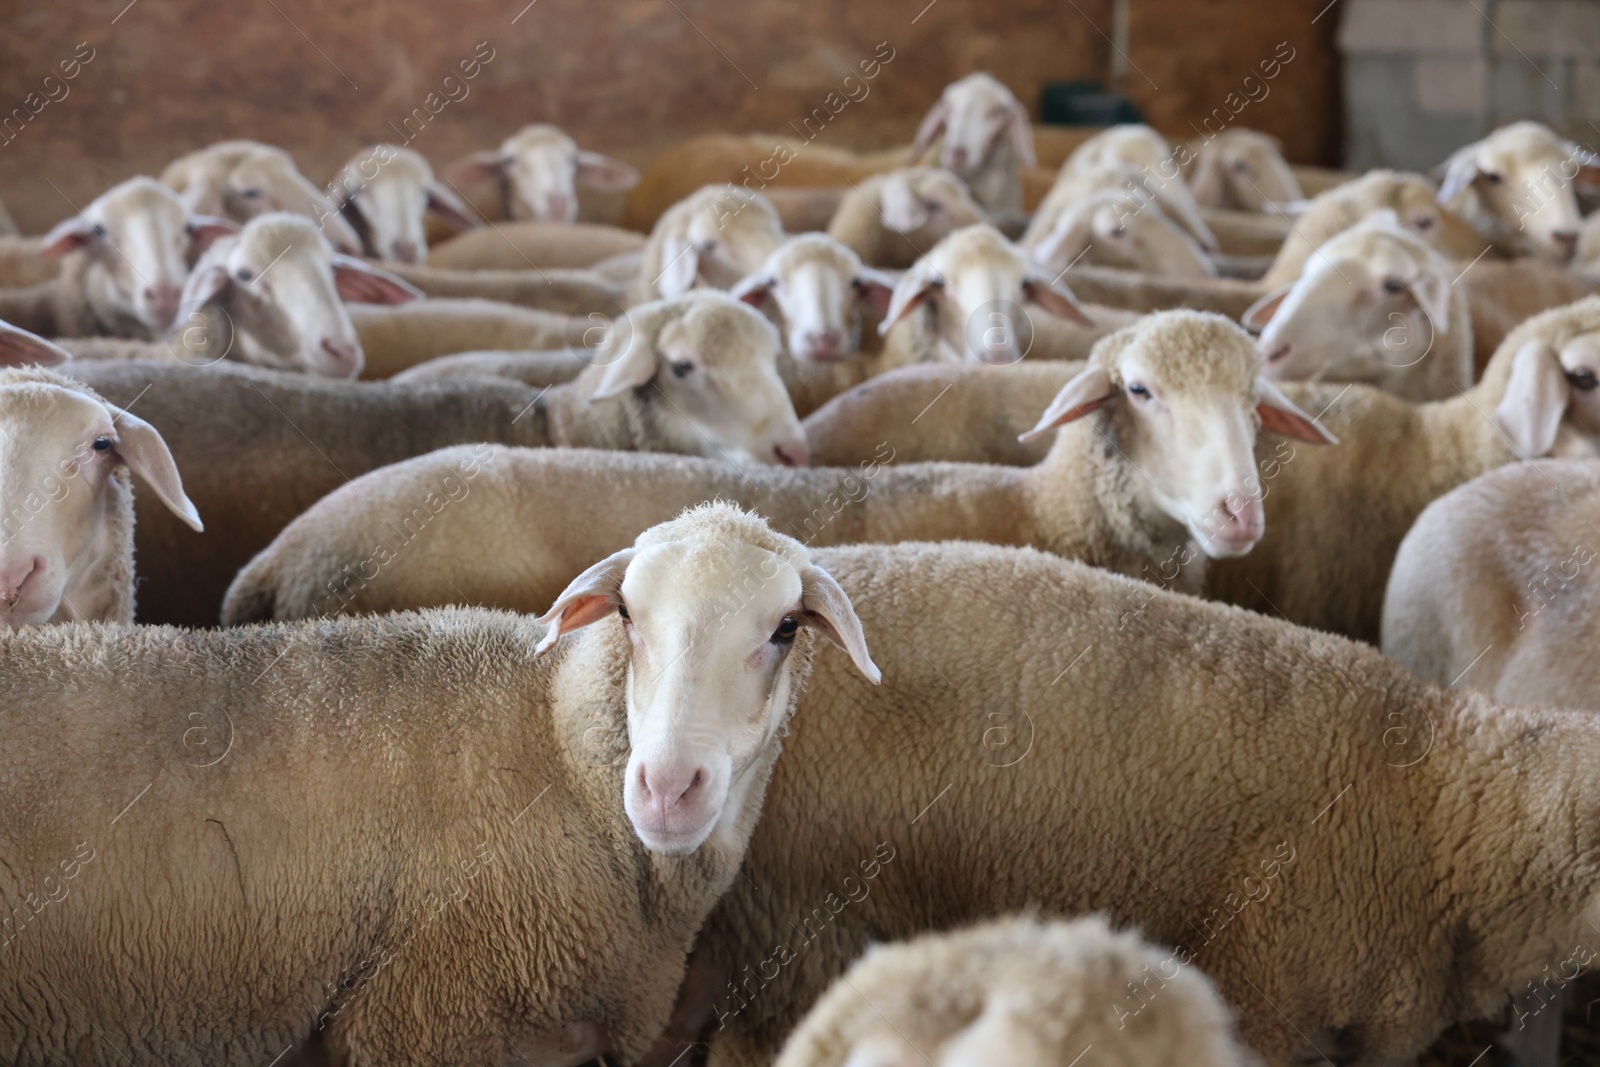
[958, 158]
[163, 298]
[672, 792]
[342, 351]
[1244, 520]
[15, 579]
[557, 206]
[406, 251]
[792, 453]
[1566, 243]
[824, 344]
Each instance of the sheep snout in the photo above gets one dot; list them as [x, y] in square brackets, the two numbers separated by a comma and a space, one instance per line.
[25, 589]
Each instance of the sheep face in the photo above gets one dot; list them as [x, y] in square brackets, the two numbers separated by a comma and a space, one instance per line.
[59, 451]
[1186, 400]
[279, 287]
[386, 192]
[925, 204]
[1125, 230]
[1371, 303]
[540, 167]
[975, 284]
[820, 292]
[715, 633]
[975, 114]
[1523, 176]
[710, 365]
[720, 236]
[1244, 170]
[243, 180]
[138, 237]
[1553, 383]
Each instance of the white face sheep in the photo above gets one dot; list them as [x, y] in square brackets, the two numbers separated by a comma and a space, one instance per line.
[386, 192]
[1374, 305]
[1021, 992]
[711, 604]
[1123, 228]
[1517, 186]
[1141, 149]
[1243, 170]
[272, 296]
[971, 290]
[820, 291]
[889, 220]
[132, 246]
[242, 179]
[987, 137]
[714, 237]
[66, 532]
[539, 167]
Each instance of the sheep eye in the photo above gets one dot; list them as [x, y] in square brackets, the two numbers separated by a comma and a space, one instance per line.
[1492, 178]
[622, 609]
[1423, 224]
[1582, 380]
[250, 194]
[1241, 166]
[103, 444]
[1135, 389]
[99, 231]
[682, 369]
[244, 274]
[1119, 231]
[933, 206]
[1393, 286]
[786, 630]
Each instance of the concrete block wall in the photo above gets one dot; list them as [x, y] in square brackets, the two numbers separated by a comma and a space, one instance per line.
[1423, 77]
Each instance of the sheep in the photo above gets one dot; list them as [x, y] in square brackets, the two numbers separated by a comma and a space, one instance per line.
[1335, 521]
[535, 173]
[1079, 183]
[560, 291]
[1019, 991]
[1375, 305]
[555, 366]
[715, 237]
[1493, 587]
[1113, 228]
[66, 537]
[240, 180]
[22, 263]
[461, 878]
[987, 140]
[385, 194]
[1517, 187]
[1240, 169]
[1142, 149]
[1179, 477]
[890, 220]
[1052, 736]
[261, 448]
[521, 245]
[399, 337]
[125, 259]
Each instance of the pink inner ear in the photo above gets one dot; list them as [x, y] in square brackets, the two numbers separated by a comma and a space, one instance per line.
[1588, 177]
[877, 297]
[19, 349]
[69, 241]
[575, 615]
[360, 287]
[1288, 424]
[756, 295]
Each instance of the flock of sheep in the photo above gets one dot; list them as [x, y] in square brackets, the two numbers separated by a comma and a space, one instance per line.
[521, 739]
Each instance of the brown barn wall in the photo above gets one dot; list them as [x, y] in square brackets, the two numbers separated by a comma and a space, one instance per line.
[625, 76]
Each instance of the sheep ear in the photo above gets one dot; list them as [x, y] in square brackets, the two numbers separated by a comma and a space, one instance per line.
[884, 1052]
[755, 289]
[1066, 241]
[1432, 293]
[875, 289]
[1055, 298]
[932, 126]
[19, 348]
[66, 236]
[1588, 176]
[680, 266]
[913, 290]
[1179, 212]
[451, 208]
[140, 446]
[829, 610]
[488, 165]
[206, 230]
[1020, 130]
[205, 283]
[360, 282]
[1460, 171]
[1282, 416]
[630, 352]
[1530, 413]
[900, 206]
[592, 596]
[606, 174]
[1090, 390]
[1207, 180]
[1257, 315]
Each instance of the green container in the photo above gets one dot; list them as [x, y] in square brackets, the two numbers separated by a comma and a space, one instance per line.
[1084, 104]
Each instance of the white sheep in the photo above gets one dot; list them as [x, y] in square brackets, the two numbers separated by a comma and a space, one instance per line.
[537, 170]
[1335, 519]
[386, 193]
[1517, 186]
[1375, 305]
[1146, 151]
[240, 180]
[1242, 170]
[892, 219]
[1123, 228]
[528, 244]
[67, 527]
[1078, 182]
[987, 140]
[1019, 991]
[557, 290]
[1494, 587]
[397, 338]
[475, 842]
[1178, 394]
[715, 237]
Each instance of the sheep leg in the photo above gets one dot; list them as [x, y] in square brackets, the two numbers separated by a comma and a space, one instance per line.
[1538, 1043]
